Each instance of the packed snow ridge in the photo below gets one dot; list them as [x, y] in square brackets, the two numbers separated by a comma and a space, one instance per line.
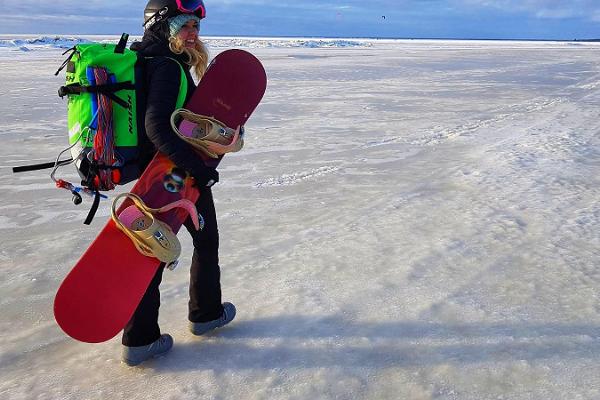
[41, 42]
[66, 42]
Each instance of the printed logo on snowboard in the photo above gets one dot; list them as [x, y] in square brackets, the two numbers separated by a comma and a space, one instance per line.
[174, 181]
[221, 103]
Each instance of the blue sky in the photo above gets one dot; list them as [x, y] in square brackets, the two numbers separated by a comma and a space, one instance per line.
[493, 19]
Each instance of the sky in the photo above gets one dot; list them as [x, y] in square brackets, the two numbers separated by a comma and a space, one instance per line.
[470, 19]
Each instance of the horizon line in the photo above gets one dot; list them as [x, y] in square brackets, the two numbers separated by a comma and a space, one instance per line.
[328, 37]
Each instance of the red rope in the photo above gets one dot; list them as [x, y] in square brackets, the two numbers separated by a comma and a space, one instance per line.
[104, 144]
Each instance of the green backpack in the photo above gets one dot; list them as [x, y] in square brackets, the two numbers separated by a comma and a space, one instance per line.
[105, 111]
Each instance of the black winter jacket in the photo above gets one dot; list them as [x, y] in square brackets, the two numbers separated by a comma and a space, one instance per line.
[162, 90]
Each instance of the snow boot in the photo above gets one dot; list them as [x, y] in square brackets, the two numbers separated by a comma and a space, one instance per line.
[200, 328]
[133, 356]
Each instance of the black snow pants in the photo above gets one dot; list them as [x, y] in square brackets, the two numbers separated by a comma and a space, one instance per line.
[205, 281]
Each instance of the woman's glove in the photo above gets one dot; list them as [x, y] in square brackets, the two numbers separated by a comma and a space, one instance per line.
[206, 177]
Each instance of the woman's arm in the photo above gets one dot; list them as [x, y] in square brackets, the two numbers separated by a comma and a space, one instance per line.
[162, 93]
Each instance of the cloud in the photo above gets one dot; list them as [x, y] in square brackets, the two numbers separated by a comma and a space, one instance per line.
[404, 18]
[549, 9]
[65, 8]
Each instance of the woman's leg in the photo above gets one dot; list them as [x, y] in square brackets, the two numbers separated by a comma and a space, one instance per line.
[143, 328]
[205, 273]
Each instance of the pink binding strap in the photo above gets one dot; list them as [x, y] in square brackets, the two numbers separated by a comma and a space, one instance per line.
[132, 213]
[188, 206]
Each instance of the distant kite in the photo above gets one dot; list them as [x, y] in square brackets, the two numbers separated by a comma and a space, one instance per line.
[383, 16]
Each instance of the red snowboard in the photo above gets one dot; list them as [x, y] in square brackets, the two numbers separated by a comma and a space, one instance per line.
[102, 291]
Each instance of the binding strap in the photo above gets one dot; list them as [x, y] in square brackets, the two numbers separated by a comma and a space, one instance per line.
[206, 134]
[152, 237]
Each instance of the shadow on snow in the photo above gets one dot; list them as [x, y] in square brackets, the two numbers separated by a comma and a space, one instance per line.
[312, 342]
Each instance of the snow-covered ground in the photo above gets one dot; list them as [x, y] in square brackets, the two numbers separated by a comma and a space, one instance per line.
[27, 43]
[408, 220]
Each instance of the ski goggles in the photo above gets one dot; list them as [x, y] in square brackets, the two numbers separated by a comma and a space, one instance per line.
[195, 7]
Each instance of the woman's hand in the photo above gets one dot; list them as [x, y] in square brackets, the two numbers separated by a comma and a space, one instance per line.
[206, 177]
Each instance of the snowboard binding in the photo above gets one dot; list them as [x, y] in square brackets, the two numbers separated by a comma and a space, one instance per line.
[151, 236]
[207, 135]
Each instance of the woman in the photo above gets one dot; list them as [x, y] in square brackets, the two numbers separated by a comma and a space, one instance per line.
[171, 38]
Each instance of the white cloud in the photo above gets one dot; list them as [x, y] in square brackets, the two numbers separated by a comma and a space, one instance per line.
[552, 9]
[555, 9]
[307, 17]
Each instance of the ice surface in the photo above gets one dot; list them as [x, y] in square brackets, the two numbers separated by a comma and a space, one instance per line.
[408, 220]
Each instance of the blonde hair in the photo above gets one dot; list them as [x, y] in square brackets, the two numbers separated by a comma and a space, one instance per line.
[197, 55]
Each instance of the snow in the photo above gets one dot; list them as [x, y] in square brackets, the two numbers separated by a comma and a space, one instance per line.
[408, 220]
[26, 43]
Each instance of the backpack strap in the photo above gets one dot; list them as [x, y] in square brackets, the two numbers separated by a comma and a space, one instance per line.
[183, 83]
[93, 209]
[183, 86]
[108, 90]
[37, 167]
